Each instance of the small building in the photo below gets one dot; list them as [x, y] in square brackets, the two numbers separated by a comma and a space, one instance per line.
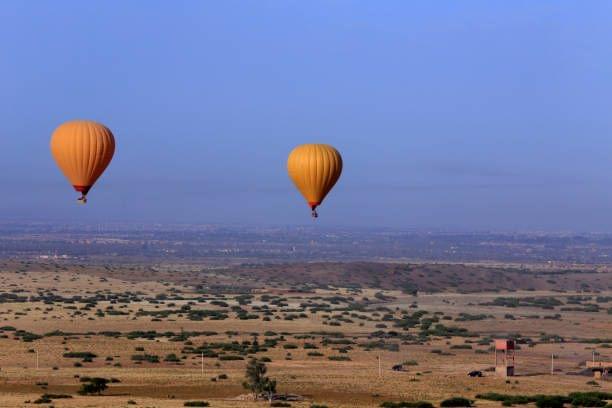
[504, 357]
[601, 369]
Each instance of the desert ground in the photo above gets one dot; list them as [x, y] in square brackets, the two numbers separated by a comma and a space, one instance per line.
[162, 339]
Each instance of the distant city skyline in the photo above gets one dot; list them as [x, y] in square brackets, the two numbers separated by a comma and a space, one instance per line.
[464, 116]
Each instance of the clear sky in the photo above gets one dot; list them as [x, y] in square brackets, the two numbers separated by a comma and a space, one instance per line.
[449, 114]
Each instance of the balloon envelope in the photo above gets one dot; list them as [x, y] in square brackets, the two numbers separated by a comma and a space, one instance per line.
[314, 169]
[82, 149]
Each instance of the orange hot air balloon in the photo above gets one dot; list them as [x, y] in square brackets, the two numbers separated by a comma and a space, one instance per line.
[314, 169]
[82, 149]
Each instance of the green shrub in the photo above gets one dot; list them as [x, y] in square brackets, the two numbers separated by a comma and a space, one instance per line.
[339, 358]
[588, 401]
[461, 347]
[80, 354]
[56, 396]
[456, 402]
[172, 358]
[43, 400]
[230, 357]
[507, 400]
[596, 394]
[406, 404]
[551, 401]
[151, 358]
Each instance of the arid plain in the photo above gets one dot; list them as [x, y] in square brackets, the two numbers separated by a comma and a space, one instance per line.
[164, 334]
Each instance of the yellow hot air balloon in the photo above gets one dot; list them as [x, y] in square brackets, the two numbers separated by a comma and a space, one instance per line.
[314, 169]
[82, 149]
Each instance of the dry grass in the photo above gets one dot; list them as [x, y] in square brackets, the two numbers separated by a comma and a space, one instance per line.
[354, 383]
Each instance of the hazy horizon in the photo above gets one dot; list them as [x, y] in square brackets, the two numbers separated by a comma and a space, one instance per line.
[468, 116]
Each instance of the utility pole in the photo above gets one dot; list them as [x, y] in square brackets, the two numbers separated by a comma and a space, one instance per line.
[202, 364]
[379, 366]
[37, 359]
[552, 364]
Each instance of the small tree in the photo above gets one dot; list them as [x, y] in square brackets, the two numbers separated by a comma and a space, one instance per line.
[95, 386]
[256, 380]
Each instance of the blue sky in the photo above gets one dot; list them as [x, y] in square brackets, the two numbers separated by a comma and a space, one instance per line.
[462, 115]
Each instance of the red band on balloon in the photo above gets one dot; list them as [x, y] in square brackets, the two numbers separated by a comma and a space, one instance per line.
[82, 189]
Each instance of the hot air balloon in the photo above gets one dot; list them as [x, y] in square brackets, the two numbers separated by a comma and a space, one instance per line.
[314, 169]
[82, 149]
